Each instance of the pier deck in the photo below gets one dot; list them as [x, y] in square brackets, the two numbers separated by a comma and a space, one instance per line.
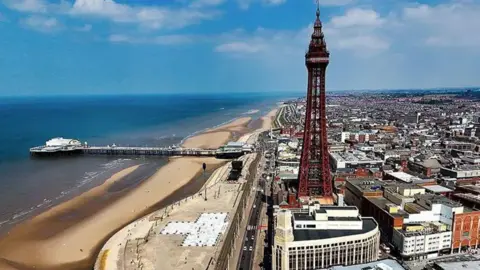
[134, 151]
[145, 151]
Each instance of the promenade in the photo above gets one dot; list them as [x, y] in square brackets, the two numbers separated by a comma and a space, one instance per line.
[141, 244]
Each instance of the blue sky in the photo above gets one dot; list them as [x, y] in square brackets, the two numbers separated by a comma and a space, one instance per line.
[156, 46]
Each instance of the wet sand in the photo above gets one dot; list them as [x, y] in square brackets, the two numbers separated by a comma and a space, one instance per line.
[69, 235]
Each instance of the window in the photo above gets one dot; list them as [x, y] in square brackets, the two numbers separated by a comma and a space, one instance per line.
[466, 234]
[312, 226]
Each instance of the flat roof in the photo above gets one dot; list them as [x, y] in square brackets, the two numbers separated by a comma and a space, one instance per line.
[388, 262]
[369, 224]
[403, 176]
[459, 265]
[356, 156]
[326, 207]
[381, 202]
[302, 216]
[344, 218]
[437, 188]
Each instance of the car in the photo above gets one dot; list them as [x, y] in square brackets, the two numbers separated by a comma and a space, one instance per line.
[250, 249]
[253, 237]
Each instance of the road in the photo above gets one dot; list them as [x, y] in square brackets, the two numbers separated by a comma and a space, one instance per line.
[262, 195]
[248, 249]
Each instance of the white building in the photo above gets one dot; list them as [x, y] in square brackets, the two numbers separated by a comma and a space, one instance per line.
[428, 227]
[422, 240]
[62, 142]
[319, 237]
[353, 160]
[465, 171]
[401, 176]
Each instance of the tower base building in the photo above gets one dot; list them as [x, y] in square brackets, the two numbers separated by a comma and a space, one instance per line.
[317, 237]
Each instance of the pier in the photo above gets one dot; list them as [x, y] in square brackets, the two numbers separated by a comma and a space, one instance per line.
[60, 146]
[149, 151]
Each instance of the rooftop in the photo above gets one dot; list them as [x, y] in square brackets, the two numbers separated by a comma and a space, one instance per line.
[353, 156]
[403, 176]
[459, 265]
[381, 203]
[437, 189]
[391, 265]
[368, 224]
[439, 199]
[367, 185]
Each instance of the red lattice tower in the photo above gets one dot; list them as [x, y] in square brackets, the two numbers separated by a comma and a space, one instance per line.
[314, 175]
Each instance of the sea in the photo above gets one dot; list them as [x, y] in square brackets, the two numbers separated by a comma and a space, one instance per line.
[30, 185]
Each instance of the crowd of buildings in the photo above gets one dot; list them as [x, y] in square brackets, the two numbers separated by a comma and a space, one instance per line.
[406, 171]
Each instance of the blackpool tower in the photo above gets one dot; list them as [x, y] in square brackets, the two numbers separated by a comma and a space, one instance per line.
[314, 179]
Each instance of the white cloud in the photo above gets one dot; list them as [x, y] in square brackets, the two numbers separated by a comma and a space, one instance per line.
[335, 2]
[357, 17]
[245, 4]
[35, 6]
[358, 30]
[42, 24]
[38, 6]
[206, 3]
[158, 40]
[146, 16]
[447, 25]
[239, 47]
[275, 2]
[149, 17]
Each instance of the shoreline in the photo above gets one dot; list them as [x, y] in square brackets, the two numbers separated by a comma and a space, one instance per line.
[83, 259]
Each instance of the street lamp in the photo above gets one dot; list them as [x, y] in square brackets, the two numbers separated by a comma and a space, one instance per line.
[204, 166]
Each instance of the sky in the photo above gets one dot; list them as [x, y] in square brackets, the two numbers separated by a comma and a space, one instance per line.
[63, 47]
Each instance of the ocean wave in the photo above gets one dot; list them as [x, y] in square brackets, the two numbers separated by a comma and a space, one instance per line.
[88, 177]
[251, 112]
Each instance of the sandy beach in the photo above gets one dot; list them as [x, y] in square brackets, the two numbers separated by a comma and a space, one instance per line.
[69, 235]
[214, 138]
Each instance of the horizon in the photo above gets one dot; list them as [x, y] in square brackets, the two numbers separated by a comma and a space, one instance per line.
[99, 47]
[302, 93]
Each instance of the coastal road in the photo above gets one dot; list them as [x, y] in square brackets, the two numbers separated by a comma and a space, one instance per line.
[248, 248]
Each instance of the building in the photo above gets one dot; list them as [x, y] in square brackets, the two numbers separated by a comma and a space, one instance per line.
[386, 264]
[462, 172]
[351, 160]
[62, 142]
[388, 215]
[466, 230]
[401, 176]
[427, 167]
[357, 190]
[320, 237]
[359, 136]
[425, 240]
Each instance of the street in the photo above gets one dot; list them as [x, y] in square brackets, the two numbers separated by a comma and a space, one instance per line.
[246, 255]
[262, 195]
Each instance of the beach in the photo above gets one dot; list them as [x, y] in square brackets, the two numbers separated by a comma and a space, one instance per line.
[68, 236]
